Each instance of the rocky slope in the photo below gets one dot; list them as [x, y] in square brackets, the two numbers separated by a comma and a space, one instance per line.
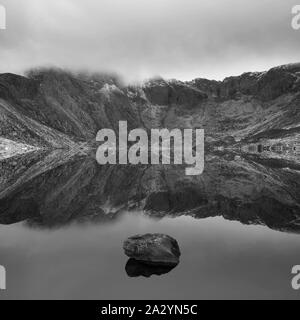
[54, 107]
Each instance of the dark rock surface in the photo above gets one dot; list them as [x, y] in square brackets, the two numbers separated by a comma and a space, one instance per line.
[153, 249]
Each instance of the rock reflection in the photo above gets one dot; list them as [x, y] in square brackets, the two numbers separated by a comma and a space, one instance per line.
[136, 269]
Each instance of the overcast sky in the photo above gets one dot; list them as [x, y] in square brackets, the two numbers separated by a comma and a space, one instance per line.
[180, 39]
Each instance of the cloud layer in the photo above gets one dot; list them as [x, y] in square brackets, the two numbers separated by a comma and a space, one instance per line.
[142, 38]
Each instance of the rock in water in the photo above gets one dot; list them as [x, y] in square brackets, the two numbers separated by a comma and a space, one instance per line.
[153, 249]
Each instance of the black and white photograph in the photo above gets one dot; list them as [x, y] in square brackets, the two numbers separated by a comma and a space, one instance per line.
[149, 151]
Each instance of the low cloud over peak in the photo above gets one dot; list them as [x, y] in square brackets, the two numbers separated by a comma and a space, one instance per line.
[138, 39]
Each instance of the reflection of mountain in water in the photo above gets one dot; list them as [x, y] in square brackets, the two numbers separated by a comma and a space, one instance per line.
[59, 188]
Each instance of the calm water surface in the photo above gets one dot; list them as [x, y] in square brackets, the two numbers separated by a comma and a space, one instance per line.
[63, 221]
[220, 259]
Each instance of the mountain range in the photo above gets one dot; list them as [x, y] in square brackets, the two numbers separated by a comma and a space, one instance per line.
[52, 108]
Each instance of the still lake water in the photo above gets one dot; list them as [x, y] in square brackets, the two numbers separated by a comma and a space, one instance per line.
[63, 221]
[220, 260]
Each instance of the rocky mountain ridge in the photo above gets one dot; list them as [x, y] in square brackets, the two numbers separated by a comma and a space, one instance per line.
[54, 108]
